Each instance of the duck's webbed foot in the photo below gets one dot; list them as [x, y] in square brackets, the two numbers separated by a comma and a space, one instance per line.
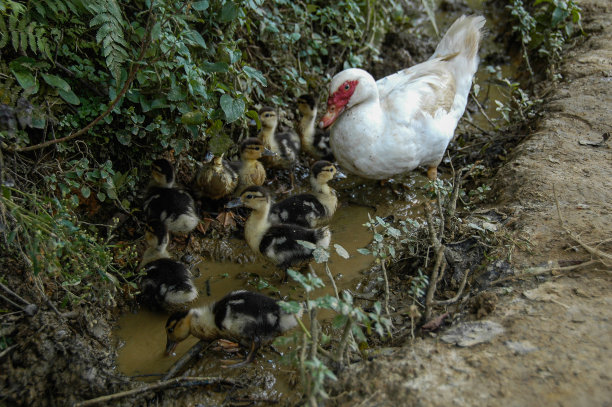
[255, 345]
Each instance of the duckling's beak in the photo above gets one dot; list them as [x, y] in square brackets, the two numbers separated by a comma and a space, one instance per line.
[209, 156]
[170, 346]
[340, 175]
[234, 203]
[268, 153]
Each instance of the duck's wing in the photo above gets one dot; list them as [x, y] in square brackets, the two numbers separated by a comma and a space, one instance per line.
[422, 88]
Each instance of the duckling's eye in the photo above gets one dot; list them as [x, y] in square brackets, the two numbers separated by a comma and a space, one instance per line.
[170, 330]
[249, 196]
[256, 148]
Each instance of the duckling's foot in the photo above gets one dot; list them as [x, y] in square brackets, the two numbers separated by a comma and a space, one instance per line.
[228, 346]
[432, 173]
[255, 344]
[226, 219]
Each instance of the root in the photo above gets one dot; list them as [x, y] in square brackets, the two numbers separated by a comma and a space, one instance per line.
[173, 383]
[185, 359]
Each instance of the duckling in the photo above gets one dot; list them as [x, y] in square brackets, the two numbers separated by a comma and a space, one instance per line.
[315, 141]
[251, 171]
[286, 144]
[217, 179]
[248, 317]
[167, 203]
[278, 243]
[310, 210]
[167, 283]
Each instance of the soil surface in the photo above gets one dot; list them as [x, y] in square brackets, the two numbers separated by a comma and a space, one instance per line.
[548, 332]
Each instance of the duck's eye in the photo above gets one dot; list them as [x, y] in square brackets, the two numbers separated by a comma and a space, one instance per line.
[347, 86]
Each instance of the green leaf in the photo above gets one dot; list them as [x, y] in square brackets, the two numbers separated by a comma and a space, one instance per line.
[200, 5]
[69, 97]
[215, 67]
[197, 38]
[25, 79]
[292, 307]
[101, 196]
[233, 108]
[255, 74]
[234, 55]
[229, 12]
[56, 82]
[193, 118]
[124, 137]
[341, 251]
[86, 192]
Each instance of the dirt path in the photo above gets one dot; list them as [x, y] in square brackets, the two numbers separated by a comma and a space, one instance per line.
[556, 344]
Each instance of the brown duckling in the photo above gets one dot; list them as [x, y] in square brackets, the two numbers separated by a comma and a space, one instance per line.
[278, 243]
[314, 141]
[310, 209]
[250, 170]
[250, 318]
[216, 179]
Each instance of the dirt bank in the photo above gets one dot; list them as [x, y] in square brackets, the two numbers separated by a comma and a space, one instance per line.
[554, 346]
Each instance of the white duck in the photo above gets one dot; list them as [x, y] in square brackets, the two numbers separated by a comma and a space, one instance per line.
[407, 119]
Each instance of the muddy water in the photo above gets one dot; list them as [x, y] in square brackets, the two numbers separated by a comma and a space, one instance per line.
[142, 335]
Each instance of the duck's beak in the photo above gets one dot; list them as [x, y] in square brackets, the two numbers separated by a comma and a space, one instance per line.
[209, 156]
[170, 346]
[332, 113]
[340, 175]
[234, 203]
[268, 153]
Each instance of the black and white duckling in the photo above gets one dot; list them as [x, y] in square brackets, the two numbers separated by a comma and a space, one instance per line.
[278, 243]
[314, 141]
[165, 202]
[247, 317]
[285, 144]
[167, 284]
[310, 209]
[250, 170]
[216, 179]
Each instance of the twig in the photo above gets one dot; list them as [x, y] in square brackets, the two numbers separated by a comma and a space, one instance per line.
[177, 382]
[482, 110]
[459, 292]
[7, 350]
[546, 270]
[387, 292]
[439, 253]
[185, 359]
[594, 251]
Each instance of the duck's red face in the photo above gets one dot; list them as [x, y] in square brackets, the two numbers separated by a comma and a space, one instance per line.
[337, 101]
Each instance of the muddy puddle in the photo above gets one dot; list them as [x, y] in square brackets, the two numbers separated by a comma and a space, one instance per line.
[142, 335]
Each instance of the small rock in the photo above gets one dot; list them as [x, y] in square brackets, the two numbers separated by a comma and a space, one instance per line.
[521, 347]
[472, 333]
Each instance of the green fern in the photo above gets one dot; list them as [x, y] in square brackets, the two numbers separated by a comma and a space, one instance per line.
[24, 35]
[107, 16]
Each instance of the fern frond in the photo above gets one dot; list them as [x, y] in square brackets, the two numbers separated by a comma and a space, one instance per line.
[4, 33]
[107, 16]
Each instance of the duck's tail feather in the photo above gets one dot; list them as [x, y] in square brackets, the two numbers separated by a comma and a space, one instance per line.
[463, 38]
